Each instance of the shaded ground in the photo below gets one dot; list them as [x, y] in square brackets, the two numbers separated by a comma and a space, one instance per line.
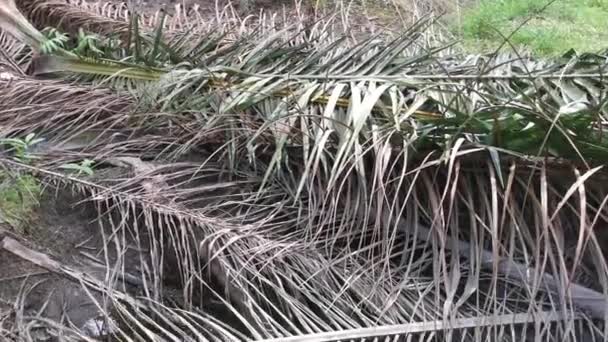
[68, 228]
[67, 232]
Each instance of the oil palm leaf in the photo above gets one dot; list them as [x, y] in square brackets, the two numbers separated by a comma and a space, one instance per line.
[14, 55]
[314, 278]
[319, 271]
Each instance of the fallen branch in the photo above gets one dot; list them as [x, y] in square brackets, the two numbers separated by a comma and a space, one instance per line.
[43, 260]
[11, 245]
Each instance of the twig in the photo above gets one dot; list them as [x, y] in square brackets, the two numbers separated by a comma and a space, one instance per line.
[11, 245]
[31, 274]
[420, 327]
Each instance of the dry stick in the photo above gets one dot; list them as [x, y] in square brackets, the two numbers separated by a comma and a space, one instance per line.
[421, 327]
[26, 275]
[15, 247]
[11, 62]
[591, 301]
[11, 245]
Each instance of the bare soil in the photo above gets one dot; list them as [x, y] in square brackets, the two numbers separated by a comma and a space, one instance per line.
[66, 229]
[70, 229]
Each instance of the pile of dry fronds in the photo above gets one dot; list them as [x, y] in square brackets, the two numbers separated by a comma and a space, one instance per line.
[321, 186]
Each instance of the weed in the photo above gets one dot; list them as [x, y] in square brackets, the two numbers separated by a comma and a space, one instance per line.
[85, 166]
[19, 192]
[563, 25]
[19, 195]
[21, 148]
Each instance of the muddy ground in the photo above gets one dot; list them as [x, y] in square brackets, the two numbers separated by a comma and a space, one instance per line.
[65, 229]
[61, 231]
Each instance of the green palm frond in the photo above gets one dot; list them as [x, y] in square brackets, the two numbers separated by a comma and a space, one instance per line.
[97, 67]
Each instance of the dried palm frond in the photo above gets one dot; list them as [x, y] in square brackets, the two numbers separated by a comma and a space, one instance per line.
[70, 18]
[282, 268]
[256, 241]
[275, 73]
[53, 107]
[116, 17]
[137, 314]
[111, 17]
[14, 55]
[315, 270]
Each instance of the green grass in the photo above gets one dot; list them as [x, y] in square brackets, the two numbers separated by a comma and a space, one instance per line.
[19, 195]
[566, 24]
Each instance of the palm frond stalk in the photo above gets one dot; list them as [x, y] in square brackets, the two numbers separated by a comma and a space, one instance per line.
[15, 24]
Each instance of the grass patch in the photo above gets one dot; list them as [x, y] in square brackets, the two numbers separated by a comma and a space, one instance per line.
[19, 195]
[563, 25]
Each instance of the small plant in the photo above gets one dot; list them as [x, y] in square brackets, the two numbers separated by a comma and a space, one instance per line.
[88, 44]
[56, 40]
[85, 166]
[19, 194]
[21, 148]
